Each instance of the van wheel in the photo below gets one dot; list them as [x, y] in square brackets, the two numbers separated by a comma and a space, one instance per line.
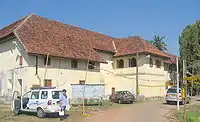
[40, 113]
[119, 101]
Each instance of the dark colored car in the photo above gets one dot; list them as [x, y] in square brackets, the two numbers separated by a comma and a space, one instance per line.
[123, 97]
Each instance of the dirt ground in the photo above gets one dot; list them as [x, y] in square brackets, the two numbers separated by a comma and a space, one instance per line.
[151, 111]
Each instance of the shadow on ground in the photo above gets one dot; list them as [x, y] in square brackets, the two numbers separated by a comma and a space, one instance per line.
[47, 116]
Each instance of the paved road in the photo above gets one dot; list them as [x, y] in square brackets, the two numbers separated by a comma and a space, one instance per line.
[152, 111]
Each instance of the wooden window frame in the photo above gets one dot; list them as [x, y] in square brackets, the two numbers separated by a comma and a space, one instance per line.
[150, 62]
[45, 61]
[81, 82]
[74, 64]
[46, 84]
[91, 65]
[158, 63]
[132, 62]
[120, 63]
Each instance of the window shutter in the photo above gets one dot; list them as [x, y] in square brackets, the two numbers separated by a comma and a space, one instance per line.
[20, 60]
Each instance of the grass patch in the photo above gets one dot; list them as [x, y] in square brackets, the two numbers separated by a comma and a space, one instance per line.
[192, 114]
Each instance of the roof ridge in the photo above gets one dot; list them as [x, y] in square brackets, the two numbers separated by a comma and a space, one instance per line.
[75, 26]
[15, 30]
[13, 23]
[21, 23]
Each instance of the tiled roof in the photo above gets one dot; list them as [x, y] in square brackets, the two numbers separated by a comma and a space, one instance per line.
[131, 45]
[43, 36]
[172, 59]
[9, 29]
[39, 35]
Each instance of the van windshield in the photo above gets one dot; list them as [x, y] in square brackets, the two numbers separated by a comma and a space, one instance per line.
[173, 91]
[55, 94]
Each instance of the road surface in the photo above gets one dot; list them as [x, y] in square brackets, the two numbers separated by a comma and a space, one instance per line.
[151, 111]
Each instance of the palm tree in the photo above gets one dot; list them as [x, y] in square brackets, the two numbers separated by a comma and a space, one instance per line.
[159, 43]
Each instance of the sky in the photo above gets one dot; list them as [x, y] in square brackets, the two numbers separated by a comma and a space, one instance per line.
[116, 18]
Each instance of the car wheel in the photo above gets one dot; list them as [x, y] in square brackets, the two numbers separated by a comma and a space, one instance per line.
[40, 113]
[131, 102]
[119, 101]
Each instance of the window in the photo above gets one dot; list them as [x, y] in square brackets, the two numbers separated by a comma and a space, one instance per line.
[120, 63]
[125, 92]
[35, 95]
[158, 63]
[91, 65]
[173, 90]
[81, 82]
[166, 66]
[47, 82]
[151, 62]
[132, 62]
[27, 95]
[44, 94]
[55, 94]
[48, 62]
[74, 64]
[20, 60]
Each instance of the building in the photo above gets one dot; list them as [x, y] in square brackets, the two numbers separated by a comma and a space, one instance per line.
[38, 51]
[171, 69]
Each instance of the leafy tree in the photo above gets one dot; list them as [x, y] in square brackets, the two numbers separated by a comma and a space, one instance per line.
[159, 43]
[189, 42]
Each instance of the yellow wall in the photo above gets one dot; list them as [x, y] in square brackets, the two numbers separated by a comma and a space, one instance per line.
[127, 80]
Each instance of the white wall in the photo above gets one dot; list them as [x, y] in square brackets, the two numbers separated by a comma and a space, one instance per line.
[9, 59]
[61, 74]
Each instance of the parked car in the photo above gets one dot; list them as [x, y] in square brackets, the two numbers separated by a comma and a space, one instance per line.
[123, 97]
[43, 100]
[171, 96]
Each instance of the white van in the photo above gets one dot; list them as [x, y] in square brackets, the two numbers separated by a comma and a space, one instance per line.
[42, 100]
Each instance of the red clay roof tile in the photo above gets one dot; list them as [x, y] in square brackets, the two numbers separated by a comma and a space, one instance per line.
[42, 36]
[9, 29]
[131, 45]
[172, 59]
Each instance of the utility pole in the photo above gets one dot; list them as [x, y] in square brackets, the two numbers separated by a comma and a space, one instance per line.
[177, 82]
[45, 75]
[137, 88]
[86, 74]
[185, 89]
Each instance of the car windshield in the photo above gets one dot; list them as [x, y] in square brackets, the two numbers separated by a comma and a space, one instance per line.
[55, 94]
[173, 91]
